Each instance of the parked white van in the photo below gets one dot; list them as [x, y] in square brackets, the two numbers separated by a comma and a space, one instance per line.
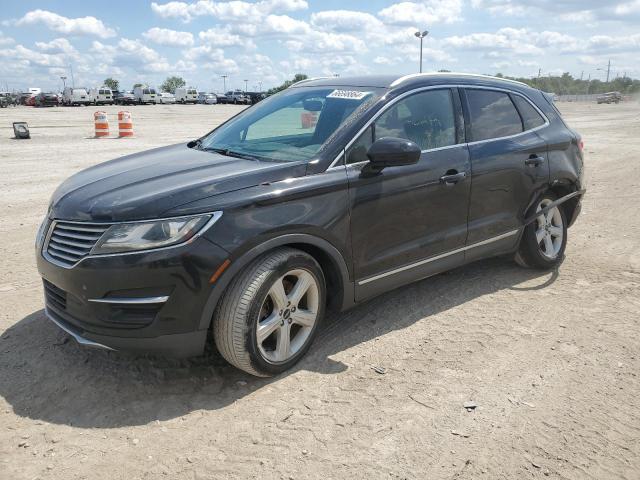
[145, 95]
[186, 95]
[75, 96]
[101, 96]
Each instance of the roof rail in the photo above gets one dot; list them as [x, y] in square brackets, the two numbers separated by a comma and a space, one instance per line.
[431, 74]
[306, 80]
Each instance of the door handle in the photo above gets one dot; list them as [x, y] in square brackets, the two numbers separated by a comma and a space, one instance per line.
[534, 161]
[451, 179]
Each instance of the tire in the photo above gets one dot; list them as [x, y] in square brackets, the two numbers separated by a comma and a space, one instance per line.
[545, 239]
[254, 300]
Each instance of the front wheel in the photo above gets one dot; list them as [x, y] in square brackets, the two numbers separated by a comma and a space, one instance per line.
[544, 240]
[270, 313]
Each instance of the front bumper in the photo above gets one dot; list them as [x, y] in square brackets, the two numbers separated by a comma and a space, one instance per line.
[147, 302]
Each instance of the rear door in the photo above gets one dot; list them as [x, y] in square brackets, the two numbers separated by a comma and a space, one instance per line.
[408, 222]
[509, 165]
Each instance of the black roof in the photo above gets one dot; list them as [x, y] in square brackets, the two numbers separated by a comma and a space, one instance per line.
[414, 80]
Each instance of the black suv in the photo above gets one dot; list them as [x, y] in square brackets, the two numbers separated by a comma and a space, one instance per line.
[320, 197]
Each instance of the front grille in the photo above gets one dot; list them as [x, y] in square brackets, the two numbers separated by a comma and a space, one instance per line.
[55, 297]
[71, 242]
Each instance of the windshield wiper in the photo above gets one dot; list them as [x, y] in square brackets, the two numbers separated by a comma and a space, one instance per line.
[232, 153]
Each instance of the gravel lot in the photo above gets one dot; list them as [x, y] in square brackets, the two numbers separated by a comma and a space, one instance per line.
[551, 359]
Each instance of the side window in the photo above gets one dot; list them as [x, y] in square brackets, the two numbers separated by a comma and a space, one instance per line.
[493, 115]
[426, 118]
[530, 115]
[358, 150]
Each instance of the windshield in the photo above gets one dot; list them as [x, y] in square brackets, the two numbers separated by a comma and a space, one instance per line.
[290, 126]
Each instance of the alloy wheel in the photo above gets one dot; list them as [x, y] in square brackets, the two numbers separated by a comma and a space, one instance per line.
[287, 316]
[550, 232]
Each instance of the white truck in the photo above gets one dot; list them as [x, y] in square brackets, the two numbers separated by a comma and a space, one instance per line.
[186, 95]
[101, 96]
[75, 96]
[145, 94]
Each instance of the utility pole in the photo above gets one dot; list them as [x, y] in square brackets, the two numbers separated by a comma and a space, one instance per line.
[608, 70]
[224, 80]
[539, 72]
[421, 36]
[581, 75]
[73, 82]
[245, 85]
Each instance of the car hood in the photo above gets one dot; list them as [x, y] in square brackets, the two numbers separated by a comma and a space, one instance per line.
[147, 184]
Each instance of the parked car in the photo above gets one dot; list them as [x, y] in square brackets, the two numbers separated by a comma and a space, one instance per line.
[145, 95]
[166, 97]
[221, 98]
[125, 98]
[46, 100]
[29, 100]
[75, 96]
[101, 96]
[6, 99]
[186, 95]
[255, 97]
[237, 96]
[609, 97]
[207, 98]
[249, 234]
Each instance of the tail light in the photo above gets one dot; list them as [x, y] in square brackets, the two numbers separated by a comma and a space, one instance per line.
[580, 144]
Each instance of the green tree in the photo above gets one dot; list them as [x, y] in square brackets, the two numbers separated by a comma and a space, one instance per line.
[298, 77]
[112, 83]
[135, 85]
[171, 83]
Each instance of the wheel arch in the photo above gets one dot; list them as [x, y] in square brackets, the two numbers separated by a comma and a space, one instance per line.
[340, 287]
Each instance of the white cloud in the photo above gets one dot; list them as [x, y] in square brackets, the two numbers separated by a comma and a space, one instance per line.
[235, 10]
[220, 37]
[68, 26]
[428, 12]
[211, 58]
[171, 38]
[58, 45]
[346, 21]
[4, 40]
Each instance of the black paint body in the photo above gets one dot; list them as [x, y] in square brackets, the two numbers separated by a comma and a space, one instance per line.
[370, 233]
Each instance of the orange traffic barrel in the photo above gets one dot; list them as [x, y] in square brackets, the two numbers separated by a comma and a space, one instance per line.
[125, 125]
[101, 124]
[308, 119]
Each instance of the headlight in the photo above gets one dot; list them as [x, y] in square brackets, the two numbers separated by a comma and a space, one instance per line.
[127, 237]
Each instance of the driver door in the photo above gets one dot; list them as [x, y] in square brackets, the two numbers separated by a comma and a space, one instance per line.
[408, 221]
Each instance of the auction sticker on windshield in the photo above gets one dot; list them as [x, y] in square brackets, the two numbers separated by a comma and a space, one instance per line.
[348, 94]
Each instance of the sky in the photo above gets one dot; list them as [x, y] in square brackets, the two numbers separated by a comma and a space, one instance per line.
[268, 41]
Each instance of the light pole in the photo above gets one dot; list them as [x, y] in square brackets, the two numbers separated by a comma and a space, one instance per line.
[421, 36]
[64, 82]
[224, 80]
[245, 85]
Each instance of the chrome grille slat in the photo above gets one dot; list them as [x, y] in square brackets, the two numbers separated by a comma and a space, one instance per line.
[80, 228]
[68, 258]
[71, 251]
[77, 236]
[68, 242]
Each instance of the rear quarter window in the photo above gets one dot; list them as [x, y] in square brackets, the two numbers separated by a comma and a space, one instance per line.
[493, 115]
[530, 116]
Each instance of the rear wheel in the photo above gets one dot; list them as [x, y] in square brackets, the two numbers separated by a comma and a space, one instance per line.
[270, 313]
[545, 239]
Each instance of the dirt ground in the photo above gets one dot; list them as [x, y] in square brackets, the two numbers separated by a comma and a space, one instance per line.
[551, 359]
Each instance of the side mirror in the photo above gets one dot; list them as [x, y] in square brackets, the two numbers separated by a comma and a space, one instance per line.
[392, 152]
